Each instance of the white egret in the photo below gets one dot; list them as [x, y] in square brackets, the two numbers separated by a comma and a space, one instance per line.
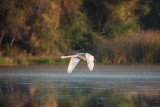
[76, 58]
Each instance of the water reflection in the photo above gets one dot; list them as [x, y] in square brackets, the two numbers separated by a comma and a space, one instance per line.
[49, 89]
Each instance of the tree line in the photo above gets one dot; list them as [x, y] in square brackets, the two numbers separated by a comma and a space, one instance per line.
[54, 27]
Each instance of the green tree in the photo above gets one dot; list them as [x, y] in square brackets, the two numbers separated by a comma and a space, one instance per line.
[16, 24]
[152, 17]
[74, 26]
[43, 26]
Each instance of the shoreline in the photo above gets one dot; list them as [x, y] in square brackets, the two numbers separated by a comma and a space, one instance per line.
[25, 61]
[81, 68]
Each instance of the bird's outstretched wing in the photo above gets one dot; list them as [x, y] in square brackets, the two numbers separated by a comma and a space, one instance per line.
[90, 61]
[72, 64]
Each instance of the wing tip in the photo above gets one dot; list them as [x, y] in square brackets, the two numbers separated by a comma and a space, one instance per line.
[91, 69]
[69, 72]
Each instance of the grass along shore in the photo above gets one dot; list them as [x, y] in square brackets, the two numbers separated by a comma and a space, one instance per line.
[7, 61]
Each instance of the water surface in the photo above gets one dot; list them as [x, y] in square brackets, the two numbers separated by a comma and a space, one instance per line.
[106, 86]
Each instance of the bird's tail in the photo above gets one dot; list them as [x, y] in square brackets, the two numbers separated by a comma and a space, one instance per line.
[68, 56]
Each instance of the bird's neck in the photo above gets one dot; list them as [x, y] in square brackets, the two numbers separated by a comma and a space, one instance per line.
[82, 57]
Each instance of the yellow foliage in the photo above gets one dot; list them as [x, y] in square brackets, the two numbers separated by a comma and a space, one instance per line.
[47, 19]
[34, 41]
[121, 11]
[52, 15]
[16, 16]
[33, 38]
[36, 44]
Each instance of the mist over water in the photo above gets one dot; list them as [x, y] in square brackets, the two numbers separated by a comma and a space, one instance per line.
[106, 86]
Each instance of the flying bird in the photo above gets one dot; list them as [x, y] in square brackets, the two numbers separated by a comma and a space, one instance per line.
[77, 57]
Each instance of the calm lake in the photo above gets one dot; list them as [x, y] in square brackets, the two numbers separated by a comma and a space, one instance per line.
[106, 86]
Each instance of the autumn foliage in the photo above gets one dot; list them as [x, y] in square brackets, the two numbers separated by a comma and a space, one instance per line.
[109, 29]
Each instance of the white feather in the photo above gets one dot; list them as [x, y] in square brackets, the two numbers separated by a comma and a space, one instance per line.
[90, 61]
[76, 58]
[73, 62]
[70, 56]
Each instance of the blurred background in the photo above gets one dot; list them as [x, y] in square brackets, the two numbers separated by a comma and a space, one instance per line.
[114, 31]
